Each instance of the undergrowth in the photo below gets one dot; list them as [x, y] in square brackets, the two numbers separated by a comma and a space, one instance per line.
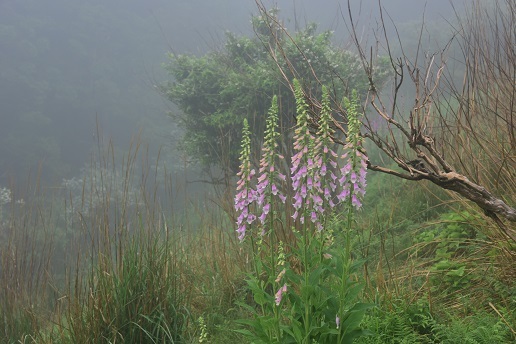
[127, 271]
[402, 323]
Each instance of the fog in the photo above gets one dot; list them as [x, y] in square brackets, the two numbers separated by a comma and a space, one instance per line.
[74, 70]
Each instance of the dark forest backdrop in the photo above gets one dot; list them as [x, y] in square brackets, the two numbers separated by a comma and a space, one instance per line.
[67, 64]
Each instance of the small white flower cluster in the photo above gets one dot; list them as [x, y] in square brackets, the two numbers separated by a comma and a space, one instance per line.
[96, 186]
[5, 196]
[74, 183]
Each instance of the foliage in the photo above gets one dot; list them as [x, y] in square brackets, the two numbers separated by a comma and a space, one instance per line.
[474, 329]
[319, 303]
[398, 323]
[215, 92]
[448, 240]
[463, 265]
[401, 324]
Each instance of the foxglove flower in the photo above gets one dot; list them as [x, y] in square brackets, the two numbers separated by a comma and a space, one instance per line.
[317, 181]
[279, 294]
[267, 188]
[327, 156]
[305, 164]
[245, 194]
[353, 174]
[280, 275]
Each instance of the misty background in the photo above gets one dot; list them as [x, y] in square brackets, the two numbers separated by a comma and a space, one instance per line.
[73, 70]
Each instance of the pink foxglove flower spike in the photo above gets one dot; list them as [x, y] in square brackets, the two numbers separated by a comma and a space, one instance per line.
[245, 194]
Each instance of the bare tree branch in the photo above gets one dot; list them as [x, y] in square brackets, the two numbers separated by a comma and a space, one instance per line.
[459, 136]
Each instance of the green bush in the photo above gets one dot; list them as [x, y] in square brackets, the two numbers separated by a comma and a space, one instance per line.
[449, 245]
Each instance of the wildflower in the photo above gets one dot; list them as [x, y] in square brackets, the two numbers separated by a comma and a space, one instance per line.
[328, 155]
[315, 159]
[279, 294]
[5, 196]
[305, 164]
[353, 174]
[337, 321]
[280, 276]
[355, 201]
[269, 176]
[352, 177]
[246, 195]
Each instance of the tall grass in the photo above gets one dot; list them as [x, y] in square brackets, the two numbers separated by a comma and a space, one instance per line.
[111, 261]
[27, 279]
[123, 286]
[136, 300]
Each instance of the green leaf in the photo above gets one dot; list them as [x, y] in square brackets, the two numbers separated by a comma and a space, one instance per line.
[352, 319]
[244, 332]
[259, 295]
[297, 331]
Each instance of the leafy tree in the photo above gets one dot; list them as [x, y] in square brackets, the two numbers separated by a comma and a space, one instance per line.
[216, 91]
